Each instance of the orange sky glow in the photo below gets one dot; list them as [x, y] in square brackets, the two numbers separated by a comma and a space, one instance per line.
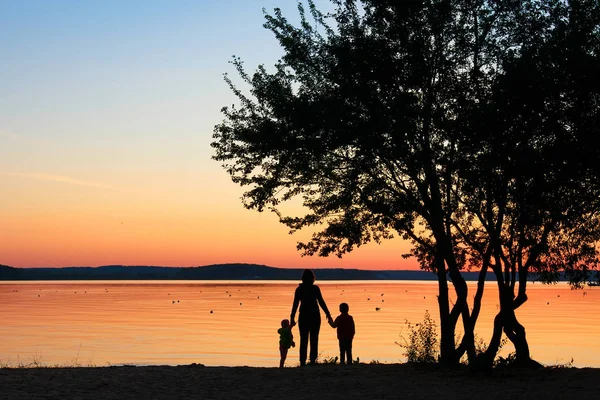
[105, 133]
[61, 223]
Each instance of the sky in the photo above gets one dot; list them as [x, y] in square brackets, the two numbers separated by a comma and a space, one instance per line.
[107, 110]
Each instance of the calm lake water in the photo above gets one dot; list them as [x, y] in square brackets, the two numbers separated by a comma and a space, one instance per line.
[170, 322]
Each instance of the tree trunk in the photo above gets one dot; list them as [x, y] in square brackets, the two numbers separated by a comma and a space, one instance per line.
[468, 342]
[506, 321]
[461, 308]
[516, 334]
[444, 254]
[485, 361]
[447, 326]
[449, 354]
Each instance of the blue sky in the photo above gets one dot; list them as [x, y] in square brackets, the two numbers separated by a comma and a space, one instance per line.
[107, 110]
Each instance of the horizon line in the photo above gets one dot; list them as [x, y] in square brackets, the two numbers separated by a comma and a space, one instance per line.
[212, 265]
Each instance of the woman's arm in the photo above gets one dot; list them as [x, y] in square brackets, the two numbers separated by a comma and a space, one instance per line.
[295, 305]
[322, 303]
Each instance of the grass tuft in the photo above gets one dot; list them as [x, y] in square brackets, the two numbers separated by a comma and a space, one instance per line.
[36, 362]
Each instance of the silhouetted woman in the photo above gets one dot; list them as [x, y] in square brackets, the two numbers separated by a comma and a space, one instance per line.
[308, 296]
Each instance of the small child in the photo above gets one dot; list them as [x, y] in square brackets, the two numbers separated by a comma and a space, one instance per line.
[286, 340]
[345, 332]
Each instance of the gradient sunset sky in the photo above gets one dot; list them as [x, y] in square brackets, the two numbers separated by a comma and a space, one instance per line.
[106, 116]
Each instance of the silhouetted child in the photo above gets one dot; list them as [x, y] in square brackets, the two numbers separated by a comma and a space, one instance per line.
[345, 333]
[286, 340]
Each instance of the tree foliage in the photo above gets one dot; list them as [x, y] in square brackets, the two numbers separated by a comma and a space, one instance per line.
[464, 126]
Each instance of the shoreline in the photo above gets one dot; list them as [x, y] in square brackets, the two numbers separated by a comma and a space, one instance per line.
[244, 272]
[359, 381]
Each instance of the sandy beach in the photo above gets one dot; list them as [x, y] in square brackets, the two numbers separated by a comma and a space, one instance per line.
[382, 381]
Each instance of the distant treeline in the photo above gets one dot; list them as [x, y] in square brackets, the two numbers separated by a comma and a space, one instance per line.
[209, 272]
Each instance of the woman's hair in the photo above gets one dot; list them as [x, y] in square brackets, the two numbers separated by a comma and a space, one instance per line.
[308, 276]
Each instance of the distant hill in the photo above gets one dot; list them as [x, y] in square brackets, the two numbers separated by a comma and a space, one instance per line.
[209, 272]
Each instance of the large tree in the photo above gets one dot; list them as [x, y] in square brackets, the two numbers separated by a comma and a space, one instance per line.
[535, 191]
[356, 120]
[370, 118]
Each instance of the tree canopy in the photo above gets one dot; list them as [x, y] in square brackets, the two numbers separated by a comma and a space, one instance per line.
[464, 126]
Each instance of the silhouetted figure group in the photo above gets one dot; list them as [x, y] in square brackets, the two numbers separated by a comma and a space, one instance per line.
[308, 297]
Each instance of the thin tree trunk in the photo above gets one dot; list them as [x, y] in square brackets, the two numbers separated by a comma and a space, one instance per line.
[461, 307]
[486, 360]
[516, 334]
[447, 327]
[467, 341]
[506, 321]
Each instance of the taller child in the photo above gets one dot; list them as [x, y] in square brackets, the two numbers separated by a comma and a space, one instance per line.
[345, 333]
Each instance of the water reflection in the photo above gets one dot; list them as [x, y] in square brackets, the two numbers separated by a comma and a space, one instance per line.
[235, 323]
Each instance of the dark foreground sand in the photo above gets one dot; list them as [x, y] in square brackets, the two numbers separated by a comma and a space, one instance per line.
[383, 381]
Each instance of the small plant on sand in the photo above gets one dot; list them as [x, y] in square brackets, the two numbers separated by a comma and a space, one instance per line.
[422, 343]
[511, 358]
[328, 360]
[481, 347]
[36, 362]
[333, 360]
[568, 364]
[75, 362]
